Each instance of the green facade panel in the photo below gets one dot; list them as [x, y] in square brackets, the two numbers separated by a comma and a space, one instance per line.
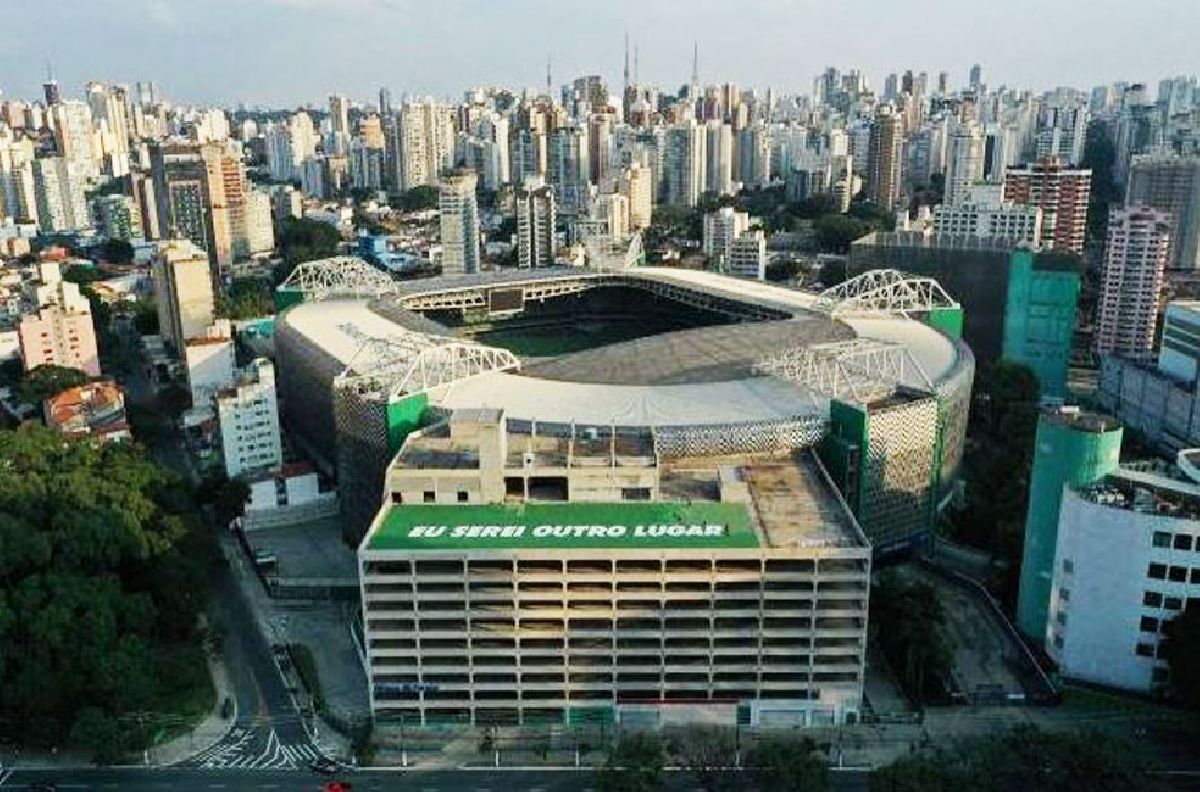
[286, 298]
[842, 448]
[1039, 320]
[1073, 450]
[947, 320]
[404, 417]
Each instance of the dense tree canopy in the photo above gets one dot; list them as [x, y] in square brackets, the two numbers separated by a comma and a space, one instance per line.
[246, 298]
[635, 764]
[101, 581]
[42, 382]
[115, 251]
[908, 623]
[1025, 759]
[417, 199]
[304, 240]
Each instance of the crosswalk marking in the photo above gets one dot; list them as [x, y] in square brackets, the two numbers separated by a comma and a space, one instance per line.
[243, 749]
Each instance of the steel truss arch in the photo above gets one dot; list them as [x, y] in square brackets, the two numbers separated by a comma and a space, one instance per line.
[861, 370]
[884, 291]
[340, 276]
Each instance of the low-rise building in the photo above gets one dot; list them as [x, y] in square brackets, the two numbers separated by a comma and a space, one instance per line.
[95, 410]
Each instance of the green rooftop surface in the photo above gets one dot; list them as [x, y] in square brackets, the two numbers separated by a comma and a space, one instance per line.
[565, 526]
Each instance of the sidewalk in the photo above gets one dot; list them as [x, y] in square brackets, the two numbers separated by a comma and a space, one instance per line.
[209, 732]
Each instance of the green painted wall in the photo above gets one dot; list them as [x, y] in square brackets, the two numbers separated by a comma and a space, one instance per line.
[948, 320]
[1039, 320]
[842, 449]
[404, 417]
[286, 298]
[1065, 452]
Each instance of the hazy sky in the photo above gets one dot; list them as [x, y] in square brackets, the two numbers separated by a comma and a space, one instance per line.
[288, 52]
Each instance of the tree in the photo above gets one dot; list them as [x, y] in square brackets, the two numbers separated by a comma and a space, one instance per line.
[1023, 758]
[1003, 422]
[634, 764]
[1183, 655]
[228, 497]
[304, 240]
[908, 622]
[708, 755]
[779, 763]
[115, 251]
[45, 381]
[835, 232]
[145, 318]
[418, 199]
[246, 298]
[833, 272]
[98, 600]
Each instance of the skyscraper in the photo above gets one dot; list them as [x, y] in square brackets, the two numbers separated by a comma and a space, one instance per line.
[1171, 183]
[883, 159]
[636, 186]
[536, 242]
[685, 161]
[567, 168]
[200, 191]
[460, 223]
[975, 80]
[339, 114]
[1061, 193]
[58, 191]
[719, 170]
[1139, 242]
[964, 162]
[385, 101]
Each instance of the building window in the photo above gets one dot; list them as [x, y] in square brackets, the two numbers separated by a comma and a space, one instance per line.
[1152, 599]
[1068, 566]
[1145, 650]
[1162, 539]
[1173, 603]
[463, 496]
[1061, 618]
[1178, 574]
[1064, 594]
[1148, 624]
[429, 496]
[1159, 675]
[1157, 571]
[1183, 542]
[1196, 576]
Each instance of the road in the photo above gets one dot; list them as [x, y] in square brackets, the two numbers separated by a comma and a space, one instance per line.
[193, 780]
[267, 732]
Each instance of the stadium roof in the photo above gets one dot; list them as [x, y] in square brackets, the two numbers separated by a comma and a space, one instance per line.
[564, 526]
[701, 376]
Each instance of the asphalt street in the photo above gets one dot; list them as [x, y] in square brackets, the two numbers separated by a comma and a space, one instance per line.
[182, 779]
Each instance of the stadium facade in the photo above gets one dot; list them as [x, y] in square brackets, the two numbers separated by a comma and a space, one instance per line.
[872, 376]
[674, 525]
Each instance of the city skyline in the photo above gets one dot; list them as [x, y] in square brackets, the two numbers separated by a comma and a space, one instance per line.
[359, 45]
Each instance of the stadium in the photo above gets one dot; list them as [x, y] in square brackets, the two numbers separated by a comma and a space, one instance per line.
[635, 496]
[872, 373]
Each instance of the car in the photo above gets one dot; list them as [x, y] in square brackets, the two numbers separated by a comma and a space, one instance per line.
[337, 786]
[324, 766]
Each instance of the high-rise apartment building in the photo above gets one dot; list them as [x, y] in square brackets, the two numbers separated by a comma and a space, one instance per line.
[748, 255]
[59, 331]
[568, 168]
[964, 162]
[248, 414]
[1170, 183]
[117, 217]
[73, 134]
[981, 211]
[200, 192]
[1139, 244]
[536, 242]
[421, 144]
[636, 185]
[1061, 193]
[883, 158]
[719, 170]
[260, 230]
[183, 290]
[339, 114]
[721, 230]
[58, 192]
[685, 162]
[460, 223]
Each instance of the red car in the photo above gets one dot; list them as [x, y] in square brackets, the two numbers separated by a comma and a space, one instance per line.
[336, 786]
